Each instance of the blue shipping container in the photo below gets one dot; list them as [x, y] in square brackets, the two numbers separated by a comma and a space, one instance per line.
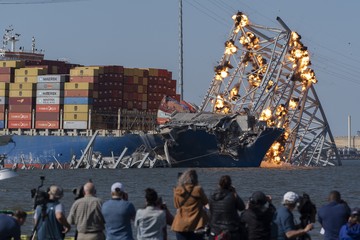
[78, 100]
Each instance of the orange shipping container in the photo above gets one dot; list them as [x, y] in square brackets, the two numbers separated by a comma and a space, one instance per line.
[88, 79]
[47, 124]
[48, 108]
[6, 78]
[20, 116]
[19, 124]
[78, 93]
[7, 70]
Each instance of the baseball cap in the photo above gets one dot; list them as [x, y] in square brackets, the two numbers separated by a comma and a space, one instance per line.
[117, 187]
[290, 198]
[56, 191]
[259, 198]
[355, 211]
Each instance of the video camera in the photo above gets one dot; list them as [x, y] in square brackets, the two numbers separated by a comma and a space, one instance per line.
[40, 197]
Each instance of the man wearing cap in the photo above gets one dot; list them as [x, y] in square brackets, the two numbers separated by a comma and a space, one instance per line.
[10, 226]
[333, 215]
[351, 230]
[258, 216]
[118, 213]
[85, 213]
[50, 220]
[284, 225]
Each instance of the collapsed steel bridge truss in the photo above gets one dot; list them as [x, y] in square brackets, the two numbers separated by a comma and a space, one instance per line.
[265, 71]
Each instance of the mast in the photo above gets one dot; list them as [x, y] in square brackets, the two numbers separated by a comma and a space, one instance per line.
[181, 66]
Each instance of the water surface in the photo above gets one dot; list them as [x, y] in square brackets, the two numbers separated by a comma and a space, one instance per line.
[317, 182]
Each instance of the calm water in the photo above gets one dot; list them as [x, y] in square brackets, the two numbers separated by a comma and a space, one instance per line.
[317, 182]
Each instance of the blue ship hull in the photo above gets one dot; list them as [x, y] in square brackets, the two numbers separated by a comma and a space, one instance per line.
[44, 149]
[201, 149]
[193, 148]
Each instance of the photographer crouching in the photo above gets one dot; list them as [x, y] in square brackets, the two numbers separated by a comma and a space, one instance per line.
[10, 224]
[49, 216]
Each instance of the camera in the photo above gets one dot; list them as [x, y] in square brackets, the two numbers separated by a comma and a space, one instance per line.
[78, 192]
[40, 197]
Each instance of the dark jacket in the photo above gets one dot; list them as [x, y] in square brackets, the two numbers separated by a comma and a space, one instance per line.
[257, 221]
[224, 207]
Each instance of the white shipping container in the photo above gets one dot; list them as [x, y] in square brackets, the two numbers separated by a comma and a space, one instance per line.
[51, 78]
[49, 86]
[49, 93]
[49, 100]
[3, 100]
[75, 124]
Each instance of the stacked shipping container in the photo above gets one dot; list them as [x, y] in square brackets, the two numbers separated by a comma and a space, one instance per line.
[49, 101]
[56, 95]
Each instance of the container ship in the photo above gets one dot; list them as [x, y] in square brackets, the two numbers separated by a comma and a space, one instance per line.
[51, 110]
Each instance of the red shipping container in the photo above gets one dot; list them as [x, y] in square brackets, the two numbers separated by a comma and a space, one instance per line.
[20, 108]
[78, 93]
[129, 80]
[7, 70]
[20, 116]
[48, 108]
[7, 78]
[47, 124]
[47, 116]
[2, 116]
[2, 107]
[118, 69]
[162, 73]
[19, 124]
[90, 79]
[21, 100]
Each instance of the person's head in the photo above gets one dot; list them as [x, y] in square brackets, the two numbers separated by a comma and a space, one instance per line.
[151, 197]
[355, 216]
[78, 192]
[334, 196]
[89, 189]
[225, 182]
[118, 191]
[258, 199]
[55, 192]
[20, 216]
[188, 177]
[290, 200]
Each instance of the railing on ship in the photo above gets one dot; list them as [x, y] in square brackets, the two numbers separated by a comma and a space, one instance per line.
[106, 123]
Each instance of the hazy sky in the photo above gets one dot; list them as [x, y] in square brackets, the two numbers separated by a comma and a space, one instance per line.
[145, 33]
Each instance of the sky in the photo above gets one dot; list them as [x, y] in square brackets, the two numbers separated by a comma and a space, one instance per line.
[145, 34]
